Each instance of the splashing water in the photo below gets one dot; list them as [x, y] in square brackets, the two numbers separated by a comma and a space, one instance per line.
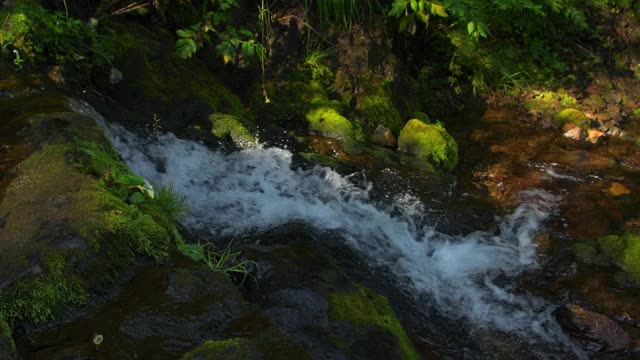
[256, 189]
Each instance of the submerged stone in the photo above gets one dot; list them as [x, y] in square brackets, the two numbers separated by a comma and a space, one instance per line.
[596, 331]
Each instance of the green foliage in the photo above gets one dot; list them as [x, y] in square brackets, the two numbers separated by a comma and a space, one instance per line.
[508, 43]
[38, 299]
[216, 27]
[6, 339]
[364, 307]
[31, 34]
[315, 61]
[224, 261]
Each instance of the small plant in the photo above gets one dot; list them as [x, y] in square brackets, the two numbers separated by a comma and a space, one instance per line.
[225, 261]
[173, 204]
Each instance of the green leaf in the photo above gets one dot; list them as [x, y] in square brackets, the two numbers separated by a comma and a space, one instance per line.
[137, 198]
[194, 251]
[130, 180]
[414, 5]
[438, 9]
[186, 48]
[246, 33]
[185, 33]
[471, 27]
[247, 49]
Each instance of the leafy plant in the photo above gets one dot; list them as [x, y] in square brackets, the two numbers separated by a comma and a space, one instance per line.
[31, 34]
[225, 261]
[215, 27]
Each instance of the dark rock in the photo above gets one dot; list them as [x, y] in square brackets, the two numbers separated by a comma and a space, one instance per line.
[294, 309]
[595, 331]
[384, 137]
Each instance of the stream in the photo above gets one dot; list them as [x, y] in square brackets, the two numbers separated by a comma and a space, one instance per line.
[468, 277]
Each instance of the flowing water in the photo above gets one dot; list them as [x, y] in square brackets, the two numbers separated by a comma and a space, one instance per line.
[258, 188]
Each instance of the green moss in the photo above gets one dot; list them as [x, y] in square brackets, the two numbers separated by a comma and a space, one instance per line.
[267, 346]
[72, 202]
[223, 124]
[636, 113]
[420, 116]
[320, 159]
[364, 307]
[231, 349]
[572, 116]
[7, 346]
[39, 298]
[624, 251]
[381, 110]
[430, 143]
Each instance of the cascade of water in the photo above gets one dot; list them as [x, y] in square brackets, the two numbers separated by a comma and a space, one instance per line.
[256, 189]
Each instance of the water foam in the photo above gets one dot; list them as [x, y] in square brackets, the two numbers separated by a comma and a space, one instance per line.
[256, 189]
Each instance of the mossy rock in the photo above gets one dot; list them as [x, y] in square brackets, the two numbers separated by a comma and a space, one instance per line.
[430, 143]
[547, 102]
[268, 346]
[572, 116]
[69, 226]
[363, 307]
[157, 81]
[379, 109]
[223, 125]
[624, 250]
[325, 118]
[420, 116]
[7, 346]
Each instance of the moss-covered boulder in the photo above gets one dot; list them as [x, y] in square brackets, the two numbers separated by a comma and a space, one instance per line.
[156, 81]
[268, 346]
[72, 219]
[325, 117]
[369, 311]
[380, 110]
[430, 143]
[7, 346]
[223, 125]
[572, 116]
[624, 251]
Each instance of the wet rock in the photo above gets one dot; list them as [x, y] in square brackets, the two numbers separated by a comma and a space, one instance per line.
[575, 133]
[294, 309]
[577, 159]
[115, 75]
[595, 331]
[618, 189]
[190, 285]
[384, 137]
[594, 136]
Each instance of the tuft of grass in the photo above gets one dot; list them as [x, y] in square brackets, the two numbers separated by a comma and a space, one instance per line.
[173, 204]
[224, 261]
[341, 12]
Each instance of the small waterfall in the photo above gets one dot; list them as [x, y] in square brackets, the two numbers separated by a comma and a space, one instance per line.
[257, 189]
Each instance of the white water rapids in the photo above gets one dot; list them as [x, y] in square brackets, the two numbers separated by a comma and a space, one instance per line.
[256, 189]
